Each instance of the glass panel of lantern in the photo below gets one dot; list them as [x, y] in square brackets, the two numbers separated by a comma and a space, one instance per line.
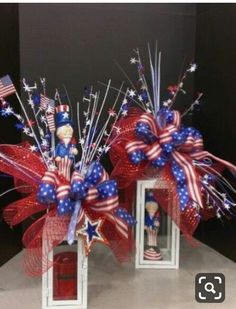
[65, 283]
[157, 236]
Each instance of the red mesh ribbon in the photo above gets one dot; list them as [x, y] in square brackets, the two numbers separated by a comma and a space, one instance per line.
[124, 171]
[50, 229]
[22, 164]
[22, 209]
[40, 239]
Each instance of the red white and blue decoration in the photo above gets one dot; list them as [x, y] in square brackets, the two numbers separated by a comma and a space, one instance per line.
[91, 232]
[154, 141]
[152, 226]
[63, 180]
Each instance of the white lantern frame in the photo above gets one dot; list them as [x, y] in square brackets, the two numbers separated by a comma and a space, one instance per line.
[173, 242]
[82, 282]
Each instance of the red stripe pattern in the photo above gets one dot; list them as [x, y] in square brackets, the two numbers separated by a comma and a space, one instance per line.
[6, 87]
[64, 167]
[152, 255]
[44, 102]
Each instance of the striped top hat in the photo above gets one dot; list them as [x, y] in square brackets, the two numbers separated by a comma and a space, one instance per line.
[63, 115]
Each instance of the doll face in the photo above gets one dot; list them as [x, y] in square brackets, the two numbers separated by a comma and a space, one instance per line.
[65, 133]
[151, 208]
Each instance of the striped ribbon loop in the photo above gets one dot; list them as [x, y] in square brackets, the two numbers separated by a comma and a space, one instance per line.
[94, 192]
[174, 144]
[99, 194]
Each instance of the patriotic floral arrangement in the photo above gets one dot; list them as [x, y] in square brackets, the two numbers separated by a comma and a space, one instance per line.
[154, 141]
[64, 184]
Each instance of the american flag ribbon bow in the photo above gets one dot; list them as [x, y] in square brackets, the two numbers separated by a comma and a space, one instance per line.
[164, 141]
[93, 194]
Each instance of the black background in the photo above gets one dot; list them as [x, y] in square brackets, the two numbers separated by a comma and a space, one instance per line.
[76, 44]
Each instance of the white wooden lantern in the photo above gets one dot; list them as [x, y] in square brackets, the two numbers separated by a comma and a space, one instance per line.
[65, 285]
[159, 247]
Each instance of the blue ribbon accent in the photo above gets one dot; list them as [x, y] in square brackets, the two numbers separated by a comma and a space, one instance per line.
[144, 133]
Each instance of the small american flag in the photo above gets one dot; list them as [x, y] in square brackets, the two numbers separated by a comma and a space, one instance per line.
[6, 87]
[44, 102]
[50, 111]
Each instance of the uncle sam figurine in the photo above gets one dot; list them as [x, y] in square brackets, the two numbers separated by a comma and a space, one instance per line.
[65, 151]
[152, 224]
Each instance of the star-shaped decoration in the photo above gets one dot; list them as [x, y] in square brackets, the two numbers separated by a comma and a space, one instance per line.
[133, 60]
[33, 148]
[82, 141]
[218, 215]
[100, 150]
[65, 115]
[227, 206]
[167, 103]
[111, 112]
[8, 110]
[117, 129]
[124, 113]
[192, 68]
[26, 130]
[91, 233]
[125, 101]
[131, 93]
[140, 98]
[31, 103]
[107, 148]
[26, 87]
[88, 122]
[44, 143]
[42, 118]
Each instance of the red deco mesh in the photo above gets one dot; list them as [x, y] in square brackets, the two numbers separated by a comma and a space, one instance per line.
[40, 239]
[50, 229]
[124, 171]
[22, 164]
[126, 174]
[22, 209]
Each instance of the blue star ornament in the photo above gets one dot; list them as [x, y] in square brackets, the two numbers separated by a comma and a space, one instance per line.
[91, 233]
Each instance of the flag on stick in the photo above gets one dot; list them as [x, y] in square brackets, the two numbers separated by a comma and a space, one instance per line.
[50, 111]
[6, 87]
[44, 102]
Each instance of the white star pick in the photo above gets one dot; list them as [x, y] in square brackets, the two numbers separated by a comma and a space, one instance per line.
[65, 115]
[33, 148]
[132, 93]
[133, 60]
